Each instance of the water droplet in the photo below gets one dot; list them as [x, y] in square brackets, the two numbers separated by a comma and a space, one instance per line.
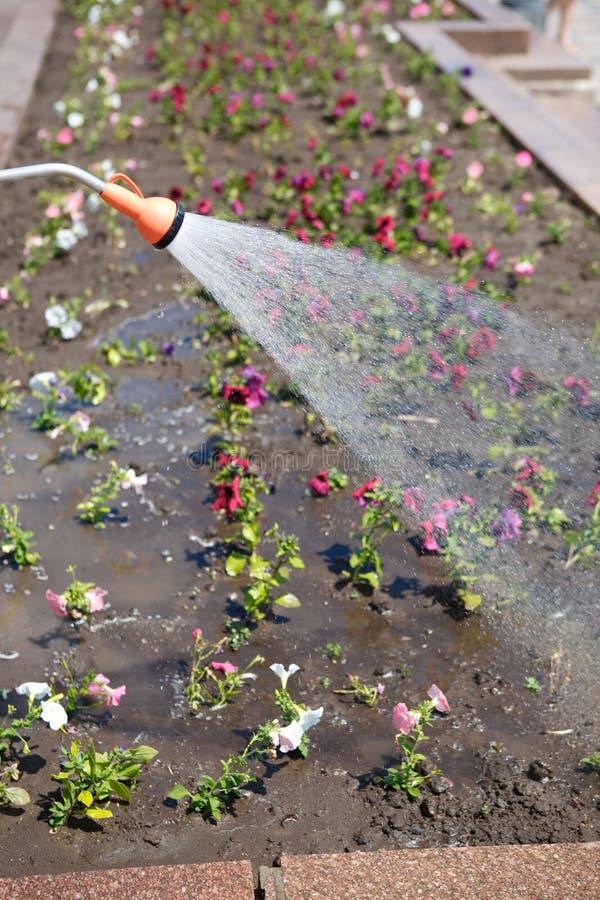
[164, 522]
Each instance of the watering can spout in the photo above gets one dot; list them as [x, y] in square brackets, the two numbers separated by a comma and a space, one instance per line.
[158, 219]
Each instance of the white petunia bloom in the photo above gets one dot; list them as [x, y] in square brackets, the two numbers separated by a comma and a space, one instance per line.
[54, 714]
[35, 689]
[56, 315]
[414, 108]
[289, 737]
[70, 329]
[391, 34]
[334, 9]
[75, 119]
[42, 382]
[282, 673]
[65, 239]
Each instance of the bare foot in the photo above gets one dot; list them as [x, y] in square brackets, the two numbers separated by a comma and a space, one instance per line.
[568, 45]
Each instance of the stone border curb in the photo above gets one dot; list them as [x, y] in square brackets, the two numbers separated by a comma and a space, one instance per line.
[566, 152]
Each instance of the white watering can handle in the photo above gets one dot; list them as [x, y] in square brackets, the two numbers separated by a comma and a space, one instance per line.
[45, 169]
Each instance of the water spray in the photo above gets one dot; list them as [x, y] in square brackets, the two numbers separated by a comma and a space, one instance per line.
[158, 219]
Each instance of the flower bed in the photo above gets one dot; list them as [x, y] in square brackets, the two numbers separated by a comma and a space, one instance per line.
[209, 524]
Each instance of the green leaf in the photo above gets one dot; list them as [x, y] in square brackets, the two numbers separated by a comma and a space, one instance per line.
[118, 788]
[143, 753]
[470, 600]
[295, 562]
[289, 601]
[487, 541]
[85, 797]
[96, 813]
[235, 564]
[371, 578]
[17, 796]
[177, 792]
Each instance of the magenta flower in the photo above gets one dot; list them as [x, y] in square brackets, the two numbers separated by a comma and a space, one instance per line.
[197, 634]
[524, 268]
[64, 136]
[369, 487]
[491, 258]
[403, 719]
[439, 699]
[101, 690]
[430, 541]
[226, 667]
[257, 395]
[57, 603]
[579, 388]
[412, 499]
[319, 484]
[594, 495]
[507, 526]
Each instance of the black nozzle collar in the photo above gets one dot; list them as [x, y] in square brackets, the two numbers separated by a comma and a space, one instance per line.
[173, 230]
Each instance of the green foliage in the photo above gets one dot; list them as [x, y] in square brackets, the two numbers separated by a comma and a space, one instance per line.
[15, 542]
[89, 383]
[533, 685]
[267, 576]
[210, 686]
[89, 778]
[12, 796]
[10, 396]
[407, 776]
[362, 692]
[378, 520]
[593, 761]
[115, 352]
[584, 544]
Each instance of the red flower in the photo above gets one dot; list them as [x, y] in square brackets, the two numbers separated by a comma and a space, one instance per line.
[595, 494]
[481, 340]
[177, 94]
[204, 206]
[458, 374]
[319, 485]
[236, 394]
[228, 497]
[369, 487]
[224, 459]
[458, 243]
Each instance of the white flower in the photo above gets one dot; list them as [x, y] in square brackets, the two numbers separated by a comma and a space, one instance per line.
[414, 108]
[289, 737]
[70, 329]
[56, 315]
[334, 9]
[122, 39]
[94, 14]
[35, 689]
[391, 35]
[65, 239]
[43, 381]
[54, 714]
[92, 85]
[137, 482]
[114, 101]
[80, 421]
[80, 230]
[60, 107]
[75, 119]
[282, 673]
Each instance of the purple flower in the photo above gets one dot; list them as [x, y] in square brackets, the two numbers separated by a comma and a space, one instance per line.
[254, 382]
[507, 526]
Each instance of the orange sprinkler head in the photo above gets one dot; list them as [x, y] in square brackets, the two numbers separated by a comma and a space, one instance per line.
[157, 219]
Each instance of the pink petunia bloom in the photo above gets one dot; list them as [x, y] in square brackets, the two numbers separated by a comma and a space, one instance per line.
[439, 699]
[367, 487]
[95, 598]
[57, 603]
[491, 258]
[506, 527]
[458, 243]
[470, 116]
[523, 159]
[579, 388]
[404, 347]
[204, 207]
[319, 484]
[420, 10]
[412, 498]
[226, 667]
[64, 136]
[197, 634]
[286, 97]
[237, 206]
[430, 541]
[475, 169]
[257, 395]
[524, 268]
[53, 211]
[101, 690]
[403, 719]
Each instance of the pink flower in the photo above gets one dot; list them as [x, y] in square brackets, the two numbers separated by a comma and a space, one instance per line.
[319, 484]
[367, 120]
[53, 211]
[404, 347]
[458, 243]
[507, 526]
[403, 719]
[412, 499]
[257, 395]
[226, 667]
[470, 116]
[4, 295]
[579, 389]
[64, 136]
[197, 634]
[524, 268]
[74, 201]
[491, 258]
[237, 206]
[286, 97]
[475, 169]
[419, 10]
[95, 598]
[204, 206]
[523, 159]
[439, 698]
[99, 688]
[57, 603]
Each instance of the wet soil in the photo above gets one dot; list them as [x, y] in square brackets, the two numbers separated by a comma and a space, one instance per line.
[510, 758]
